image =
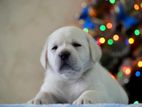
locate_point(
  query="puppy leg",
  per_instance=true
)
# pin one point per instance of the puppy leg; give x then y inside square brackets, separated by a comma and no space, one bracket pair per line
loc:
[90,97]
[43,98]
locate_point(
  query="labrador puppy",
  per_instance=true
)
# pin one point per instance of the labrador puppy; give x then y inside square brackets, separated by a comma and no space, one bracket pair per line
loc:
[73,73]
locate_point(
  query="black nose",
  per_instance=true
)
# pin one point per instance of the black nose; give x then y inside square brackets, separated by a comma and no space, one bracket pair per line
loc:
[64,55]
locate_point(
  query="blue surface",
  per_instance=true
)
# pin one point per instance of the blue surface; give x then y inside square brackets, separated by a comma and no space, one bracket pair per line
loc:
[68,105]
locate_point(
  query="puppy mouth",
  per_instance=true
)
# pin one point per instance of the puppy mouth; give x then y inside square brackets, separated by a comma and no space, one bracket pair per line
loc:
[68,67]
[65,66]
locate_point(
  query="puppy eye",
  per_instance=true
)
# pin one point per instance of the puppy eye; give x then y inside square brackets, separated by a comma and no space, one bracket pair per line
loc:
[55,47]
[76,44]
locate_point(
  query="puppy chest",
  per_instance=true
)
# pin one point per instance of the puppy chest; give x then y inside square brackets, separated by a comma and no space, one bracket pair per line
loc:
[72,92]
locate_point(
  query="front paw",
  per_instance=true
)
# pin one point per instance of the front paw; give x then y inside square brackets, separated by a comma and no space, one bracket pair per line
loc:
[85,98]
[37,101]
[42,98]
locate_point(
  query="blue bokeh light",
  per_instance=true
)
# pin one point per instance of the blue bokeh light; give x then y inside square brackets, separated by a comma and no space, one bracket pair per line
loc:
[137,73]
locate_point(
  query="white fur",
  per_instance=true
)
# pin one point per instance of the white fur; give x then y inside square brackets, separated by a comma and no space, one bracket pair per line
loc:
[86,82]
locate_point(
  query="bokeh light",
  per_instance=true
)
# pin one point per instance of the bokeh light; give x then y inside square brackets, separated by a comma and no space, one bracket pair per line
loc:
[139,64]
[120,39]
[102,28]
[110,41]
[98,41]
[131,40]
[141,4]
[112,1]
[126,42]
[137,73]
[137,32]
[136,7]
[102,40]
[126,70]
[120,75]
[109,25]
[86,30]
[136,102]
[92,12]
[115,37]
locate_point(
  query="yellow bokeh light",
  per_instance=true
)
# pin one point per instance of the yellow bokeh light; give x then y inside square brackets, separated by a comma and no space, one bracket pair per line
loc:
[131,40]
[102,40]
[115,37]
[128,71]
[140,64]
[136,7]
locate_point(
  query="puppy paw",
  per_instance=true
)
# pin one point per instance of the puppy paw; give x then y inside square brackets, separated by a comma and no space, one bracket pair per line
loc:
[83,101]
[42,98]
[85,98]
[92,97]
[38,101]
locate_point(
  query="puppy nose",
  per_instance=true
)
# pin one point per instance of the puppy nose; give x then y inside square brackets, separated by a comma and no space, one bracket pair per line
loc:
[64,55]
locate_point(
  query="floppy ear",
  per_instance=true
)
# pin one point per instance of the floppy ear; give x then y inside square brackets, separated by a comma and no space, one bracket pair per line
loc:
[43,57]
[95,50]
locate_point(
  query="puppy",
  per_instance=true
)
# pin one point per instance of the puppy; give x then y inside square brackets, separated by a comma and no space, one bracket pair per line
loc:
[73,73]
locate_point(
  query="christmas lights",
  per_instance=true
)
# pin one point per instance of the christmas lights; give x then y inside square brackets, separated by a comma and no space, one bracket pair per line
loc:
[112,1]
[137,73]
[118,30]
[102,40]
[102,28]
[110,41]
[136,7]
[131,40]
[115,37]
[137,32]
[139,64]
[109,25]
[85,30]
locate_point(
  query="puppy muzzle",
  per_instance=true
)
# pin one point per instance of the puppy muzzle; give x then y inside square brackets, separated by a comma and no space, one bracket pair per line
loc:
[64,56]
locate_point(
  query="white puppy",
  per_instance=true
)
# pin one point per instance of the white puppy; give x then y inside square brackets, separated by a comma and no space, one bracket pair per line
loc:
[73,73]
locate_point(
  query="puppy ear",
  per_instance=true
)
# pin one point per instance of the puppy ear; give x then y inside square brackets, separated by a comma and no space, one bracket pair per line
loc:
[95,50]
[43,57]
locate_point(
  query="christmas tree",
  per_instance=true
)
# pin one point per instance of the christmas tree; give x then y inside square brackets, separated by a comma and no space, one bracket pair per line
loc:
[117,27]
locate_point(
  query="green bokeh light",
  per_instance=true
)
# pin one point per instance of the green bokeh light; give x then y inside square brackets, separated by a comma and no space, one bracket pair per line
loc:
[85,30]
[112,1]
[110,41]
[137,32]
[136,102]
[102,28]
[120,75]
[141,4]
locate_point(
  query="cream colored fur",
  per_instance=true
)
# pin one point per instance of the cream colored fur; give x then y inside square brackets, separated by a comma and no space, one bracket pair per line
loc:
[85,81]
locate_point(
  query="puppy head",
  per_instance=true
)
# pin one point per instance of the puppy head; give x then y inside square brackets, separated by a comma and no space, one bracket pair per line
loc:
[69,52]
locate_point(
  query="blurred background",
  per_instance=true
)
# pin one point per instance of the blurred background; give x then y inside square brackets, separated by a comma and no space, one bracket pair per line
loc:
[24,27]
[117,27]
[25,24]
